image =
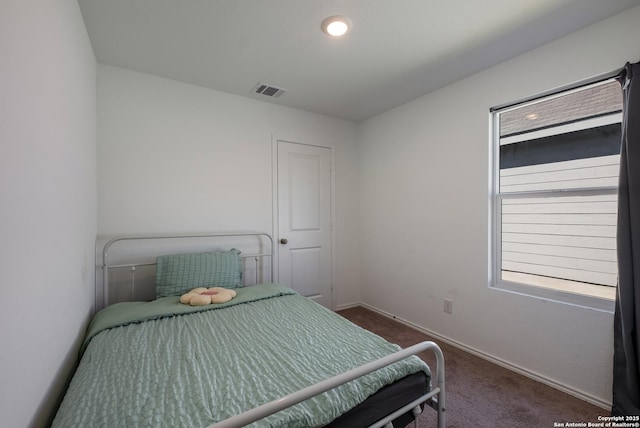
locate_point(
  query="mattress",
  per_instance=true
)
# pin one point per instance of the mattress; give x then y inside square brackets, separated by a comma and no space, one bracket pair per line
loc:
[162,363]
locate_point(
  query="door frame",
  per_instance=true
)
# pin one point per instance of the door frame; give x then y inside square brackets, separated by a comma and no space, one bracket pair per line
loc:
[275,223]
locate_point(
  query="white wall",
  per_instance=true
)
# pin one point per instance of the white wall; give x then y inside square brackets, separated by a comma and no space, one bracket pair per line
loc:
[174,157]
[425,205]
[47,202]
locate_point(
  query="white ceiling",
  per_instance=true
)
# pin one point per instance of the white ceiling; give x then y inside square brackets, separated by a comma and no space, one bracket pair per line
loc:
[397,51]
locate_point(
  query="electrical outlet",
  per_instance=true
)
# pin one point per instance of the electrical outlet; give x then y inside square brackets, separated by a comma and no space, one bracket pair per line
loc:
[448,306]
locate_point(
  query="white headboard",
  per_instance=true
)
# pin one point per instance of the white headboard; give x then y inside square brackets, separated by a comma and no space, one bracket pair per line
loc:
[126,264]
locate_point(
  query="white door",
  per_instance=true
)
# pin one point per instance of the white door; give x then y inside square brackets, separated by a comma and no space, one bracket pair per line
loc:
[304,219]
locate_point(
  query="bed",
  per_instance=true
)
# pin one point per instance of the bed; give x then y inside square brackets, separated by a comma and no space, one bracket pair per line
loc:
[267,358]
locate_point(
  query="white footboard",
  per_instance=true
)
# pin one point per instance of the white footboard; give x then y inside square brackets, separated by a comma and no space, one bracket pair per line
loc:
[436,395]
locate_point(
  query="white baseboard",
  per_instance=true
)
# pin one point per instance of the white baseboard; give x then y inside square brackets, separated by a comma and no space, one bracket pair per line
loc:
[531,375]
[348,306]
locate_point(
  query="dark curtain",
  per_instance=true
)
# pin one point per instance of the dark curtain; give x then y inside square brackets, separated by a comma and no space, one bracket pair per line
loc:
[626,366]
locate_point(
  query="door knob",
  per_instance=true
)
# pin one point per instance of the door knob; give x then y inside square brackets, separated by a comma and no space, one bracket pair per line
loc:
[284,241]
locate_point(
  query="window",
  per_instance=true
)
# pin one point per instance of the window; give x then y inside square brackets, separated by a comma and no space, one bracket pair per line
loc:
[555,178]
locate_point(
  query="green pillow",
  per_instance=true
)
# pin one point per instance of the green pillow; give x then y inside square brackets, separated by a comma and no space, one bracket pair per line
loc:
[179,273]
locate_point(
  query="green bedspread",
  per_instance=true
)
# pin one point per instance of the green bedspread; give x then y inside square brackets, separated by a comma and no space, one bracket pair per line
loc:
[163,364]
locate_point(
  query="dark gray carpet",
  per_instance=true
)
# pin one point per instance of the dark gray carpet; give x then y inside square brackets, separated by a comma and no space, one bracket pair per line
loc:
[479,393]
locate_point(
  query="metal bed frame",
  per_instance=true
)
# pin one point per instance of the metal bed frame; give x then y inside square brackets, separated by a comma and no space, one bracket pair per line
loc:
[106,245]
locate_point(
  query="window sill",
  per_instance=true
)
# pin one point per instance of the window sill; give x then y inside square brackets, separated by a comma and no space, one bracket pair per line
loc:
[589,296]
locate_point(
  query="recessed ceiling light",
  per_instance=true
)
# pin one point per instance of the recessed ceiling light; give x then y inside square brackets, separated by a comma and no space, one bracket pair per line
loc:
[336,26]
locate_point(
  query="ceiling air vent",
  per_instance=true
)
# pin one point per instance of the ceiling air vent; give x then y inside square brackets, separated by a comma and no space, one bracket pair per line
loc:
[268,90]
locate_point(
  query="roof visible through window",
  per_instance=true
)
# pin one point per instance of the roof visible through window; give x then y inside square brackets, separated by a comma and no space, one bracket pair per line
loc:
[600,99]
